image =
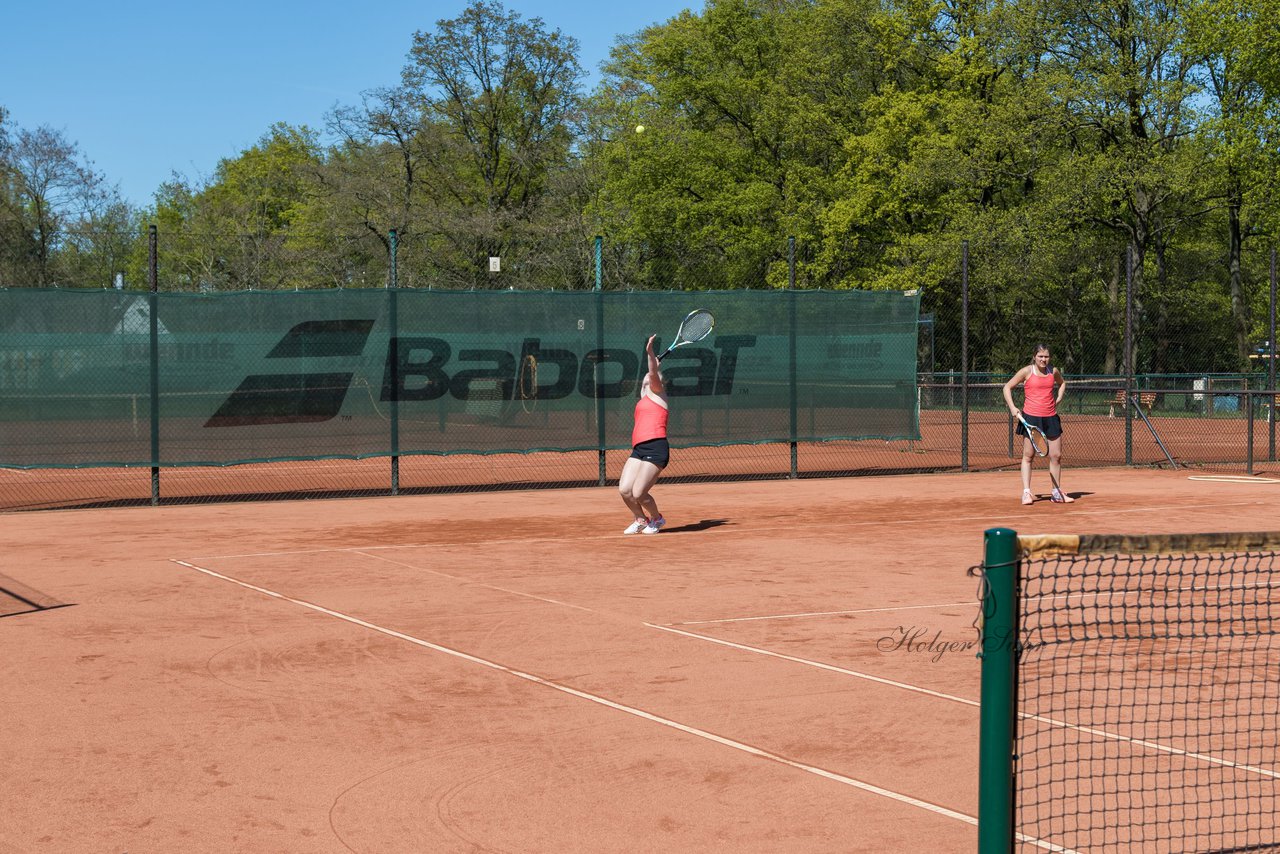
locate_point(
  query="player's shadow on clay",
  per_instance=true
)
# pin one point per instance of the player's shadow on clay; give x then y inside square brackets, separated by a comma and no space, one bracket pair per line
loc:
[1046,496]
[696,526]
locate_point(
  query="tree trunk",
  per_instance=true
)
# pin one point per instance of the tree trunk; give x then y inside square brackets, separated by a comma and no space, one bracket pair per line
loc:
[1239,304]
[1111,359]
[1138,250]
[1160,356]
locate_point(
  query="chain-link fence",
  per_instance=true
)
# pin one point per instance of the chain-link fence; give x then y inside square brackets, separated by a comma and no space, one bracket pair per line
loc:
[257,382]
[1169,357]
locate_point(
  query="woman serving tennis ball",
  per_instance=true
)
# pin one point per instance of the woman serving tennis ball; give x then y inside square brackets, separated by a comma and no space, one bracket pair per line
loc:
[1039,381]
[650,451]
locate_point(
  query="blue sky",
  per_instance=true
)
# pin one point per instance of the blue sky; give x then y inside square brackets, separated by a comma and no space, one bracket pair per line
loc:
[149,90]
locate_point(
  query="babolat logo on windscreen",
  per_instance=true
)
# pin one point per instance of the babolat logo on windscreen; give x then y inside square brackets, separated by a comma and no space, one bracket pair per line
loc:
[416,370]
[422,369]
[297,398]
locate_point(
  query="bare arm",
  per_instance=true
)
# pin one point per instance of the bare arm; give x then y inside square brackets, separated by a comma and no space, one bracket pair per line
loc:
[1014,381]
[1062,385]
[655,378]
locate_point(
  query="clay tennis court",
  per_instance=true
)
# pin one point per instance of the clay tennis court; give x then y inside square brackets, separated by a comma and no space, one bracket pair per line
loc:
[787,667]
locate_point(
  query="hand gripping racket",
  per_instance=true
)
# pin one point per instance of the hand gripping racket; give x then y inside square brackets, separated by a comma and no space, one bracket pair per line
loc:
[696,325]
[1037,437]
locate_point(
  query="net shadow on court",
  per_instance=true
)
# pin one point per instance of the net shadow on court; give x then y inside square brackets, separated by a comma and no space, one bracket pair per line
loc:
[17,598]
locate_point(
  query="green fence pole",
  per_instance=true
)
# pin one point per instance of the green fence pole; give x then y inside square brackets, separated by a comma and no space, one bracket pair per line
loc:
[153,309]
[791,302]
[600,425]
[1129,356]
[964,358]
[998,652]
[1271,363]
[1248,417]
[393,320]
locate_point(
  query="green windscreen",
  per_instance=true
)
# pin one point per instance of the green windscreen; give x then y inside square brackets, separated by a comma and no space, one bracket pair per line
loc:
[255,376]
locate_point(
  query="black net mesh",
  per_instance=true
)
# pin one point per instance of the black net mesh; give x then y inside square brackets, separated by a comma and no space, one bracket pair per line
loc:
[1148,703]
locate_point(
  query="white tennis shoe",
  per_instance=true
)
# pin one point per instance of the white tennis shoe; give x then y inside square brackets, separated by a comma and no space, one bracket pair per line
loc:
[637,526]
[654,526]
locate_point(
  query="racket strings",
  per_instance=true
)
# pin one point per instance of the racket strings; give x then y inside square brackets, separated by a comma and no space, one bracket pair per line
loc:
[696,326]
[1039,442]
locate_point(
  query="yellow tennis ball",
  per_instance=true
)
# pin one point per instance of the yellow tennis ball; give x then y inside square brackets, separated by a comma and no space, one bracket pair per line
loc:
[639,128]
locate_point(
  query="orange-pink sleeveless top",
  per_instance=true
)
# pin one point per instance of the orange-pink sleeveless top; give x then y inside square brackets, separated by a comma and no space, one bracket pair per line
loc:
[1039,395]
[651,421]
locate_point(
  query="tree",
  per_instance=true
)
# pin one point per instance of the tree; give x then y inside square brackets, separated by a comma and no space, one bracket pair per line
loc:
[47,185]
[1233,40]
[16,247]
[239,230]
[1123,74]
[746,107]
[381,176]
[498,97]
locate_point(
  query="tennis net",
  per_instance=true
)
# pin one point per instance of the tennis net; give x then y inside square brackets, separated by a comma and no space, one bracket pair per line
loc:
[1131,693]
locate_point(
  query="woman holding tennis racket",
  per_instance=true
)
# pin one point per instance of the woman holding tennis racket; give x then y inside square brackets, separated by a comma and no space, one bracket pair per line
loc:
[650,451]
[1042,387]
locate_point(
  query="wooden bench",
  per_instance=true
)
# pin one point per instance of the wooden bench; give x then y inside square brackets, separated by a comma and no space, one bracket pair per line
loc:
[1146,398]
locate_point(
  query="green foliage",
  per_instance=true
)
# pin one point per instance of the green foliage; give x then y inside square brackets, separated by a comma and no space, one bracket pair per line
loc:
[51,199]
[1075,147]
[241,229]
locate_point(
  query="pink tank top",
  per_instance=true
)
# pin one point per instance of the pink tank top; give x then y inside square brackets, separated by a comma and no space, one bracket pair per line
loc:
[651,421]
[1039,395]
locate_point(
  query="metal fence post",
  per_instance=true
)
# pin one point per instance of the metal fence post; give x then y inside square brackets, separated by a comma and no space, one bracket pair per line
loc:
[153,310]
[1128,355]
[393,286]
[1271,364]
[791,379]
[600,425]
[1248,414]
[964,356]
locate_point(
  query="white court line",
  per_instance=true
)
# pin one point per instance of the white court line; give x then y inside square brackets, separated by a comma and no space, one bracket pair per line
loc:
[471,583]
[1152,745]
[1232,478]
[593,698]
[974,603]
[434,545]
[818,664]
[825,613]
[718,531]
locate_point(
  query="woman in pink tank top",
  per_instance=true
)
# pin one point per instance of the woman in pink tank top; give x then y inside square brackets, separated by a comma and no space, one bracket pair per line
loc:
[1043,387]
[650,451]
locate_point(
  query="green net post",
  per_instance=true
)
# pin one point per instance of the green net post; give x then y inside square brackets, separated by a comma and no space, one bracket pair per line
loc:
[791,302]
[153,309]
[600,425]
[998,652]
[393,285]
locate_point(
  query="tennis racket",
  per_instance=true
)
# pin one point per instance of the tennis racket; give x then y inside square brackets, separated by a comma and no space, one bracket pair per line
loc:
[696,325]
[1037,437]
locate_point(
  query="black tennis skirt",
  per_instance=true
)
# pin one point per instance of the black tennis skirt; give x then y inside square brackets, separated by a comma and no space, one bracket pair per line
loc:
[656,451]
[1050,425]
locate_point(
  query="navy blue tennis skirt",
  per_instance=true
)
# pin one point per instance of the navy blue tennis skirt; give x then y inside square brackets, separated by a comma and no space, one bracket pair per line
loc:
[1050,425]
